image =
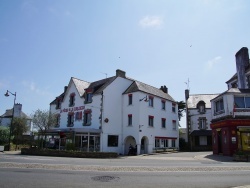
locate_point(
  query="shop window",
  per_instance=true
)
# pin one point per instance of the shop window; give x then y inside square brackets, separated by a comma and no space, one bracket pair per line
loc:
[151,121]
[112,141]
[173,143]
[72,99]
[130,99]
[87,117]
[70,119]
[130,120]
[163,122]
[165,143]
[157,143]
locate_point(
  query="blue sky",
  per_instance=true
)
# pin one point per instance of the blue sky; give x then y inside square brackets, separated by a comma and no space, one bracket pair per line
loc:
[44,43]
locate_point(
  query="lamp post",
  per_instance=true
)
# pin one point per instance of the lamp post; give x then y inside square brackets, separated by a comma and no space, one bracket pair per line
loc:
[6,95]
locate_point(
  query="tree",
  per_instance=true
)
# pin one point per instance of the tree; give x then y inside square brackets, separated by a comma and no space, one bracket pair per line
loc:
[18,127]
[43,120]
[4,135]
[181,109]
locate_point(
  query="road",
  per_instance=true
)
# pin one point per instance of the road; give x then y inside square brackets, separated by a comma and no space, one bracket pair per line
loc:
[163,170]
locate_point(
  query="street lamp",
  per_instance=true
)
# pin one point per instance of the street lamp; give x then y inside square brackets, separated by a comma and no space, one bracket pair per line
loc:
[6,95]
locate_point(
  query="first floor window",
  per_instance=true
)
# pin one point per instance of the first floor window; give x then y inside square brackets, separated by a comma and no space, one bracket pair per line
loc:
[219,106]
[87,118]
[202,123]
[130,119]
[130,99]
[112,140]
[58,120]
[173,107]
[151,101]
[163,105]
[163,122]
[174,124]
[242,102]
[70,119]
[151,121]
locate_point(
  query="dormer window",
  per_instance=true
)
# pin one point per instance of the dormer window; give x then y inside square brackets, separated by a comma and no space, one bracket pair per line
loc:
[201,107]
[72,99]
[88,95]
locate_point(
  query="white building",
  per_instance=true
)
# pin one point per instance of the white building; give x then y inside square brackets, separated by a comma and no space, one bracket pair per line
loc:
[199,116]
[110,114]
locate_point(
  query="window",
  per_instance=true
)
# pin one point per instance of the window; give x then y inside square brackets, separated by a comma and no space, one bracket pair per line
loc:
[248,81]
[163,122]
[88,95]
[112,140]
[71,119]
[173,143]
[173,107]
[130,99]
[87,117]
[201,107]
[174,124]
[202,123]
[130,120]
[72,99]
[219,106]
[242,102]
[165,143]
[163,105]
[151,101]
[58,120]
[58,103]
[157,143]
[151,121]
[78,116]
[234,85]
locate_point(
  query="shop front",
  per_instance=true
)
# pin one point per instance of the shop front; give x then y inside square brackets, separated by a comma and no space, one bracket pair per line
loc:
[228,136]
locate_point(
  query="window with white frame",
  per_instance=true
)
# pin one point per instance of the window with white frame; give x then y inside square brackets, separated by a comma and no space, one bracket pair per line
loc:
[130,99]
[72,99]
[174,124]
[202,123]
[157,142]
[151,101]
[150,121]
[173,143]
[241,102]
[163,122]
[219,106]
[130,120]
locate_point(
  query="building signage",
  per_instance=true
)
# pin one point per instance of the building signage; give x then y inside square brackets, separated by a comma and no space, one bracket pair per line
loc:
[72,109]
[230,123]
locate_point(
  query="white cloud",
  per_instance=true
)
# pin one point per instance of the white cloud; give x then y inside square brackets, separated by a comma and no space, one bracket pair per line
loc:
[151,22]
[211,63]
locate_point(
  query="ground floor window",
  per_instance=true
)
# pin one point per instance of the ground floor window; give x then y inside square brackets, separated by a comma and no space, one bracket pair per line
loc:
[87,142]
[173,143]
[112,140]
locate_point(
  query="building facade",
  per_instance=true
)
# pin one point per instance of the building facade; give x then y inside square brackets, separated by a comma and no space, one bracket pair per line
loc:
[198,114]
[5,119]
[111,114]
[231,111]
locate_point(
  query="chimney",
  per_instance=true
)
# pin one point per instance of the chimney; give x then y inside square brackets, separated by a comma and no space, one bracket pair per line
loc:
[120,73]
[17,110]
[242,63]
[186,94]
[164,89]
[65,88]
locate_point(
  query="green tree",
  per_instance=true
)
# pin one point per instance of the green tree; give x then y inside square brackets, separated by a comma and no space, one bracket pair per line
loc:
[43,120]
[18,127]
[181,109]
[4,135]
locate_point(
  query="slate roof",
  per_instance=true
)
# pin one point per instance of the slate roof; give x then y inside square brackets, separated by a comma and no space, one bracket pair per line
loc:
[234,91]
[194,99]
[100,85]
[9,113]
[139,86]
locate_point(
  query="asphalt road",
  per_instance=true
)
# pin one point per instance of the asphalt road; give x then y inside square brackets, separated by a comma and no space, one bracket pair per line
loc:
[200,169]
